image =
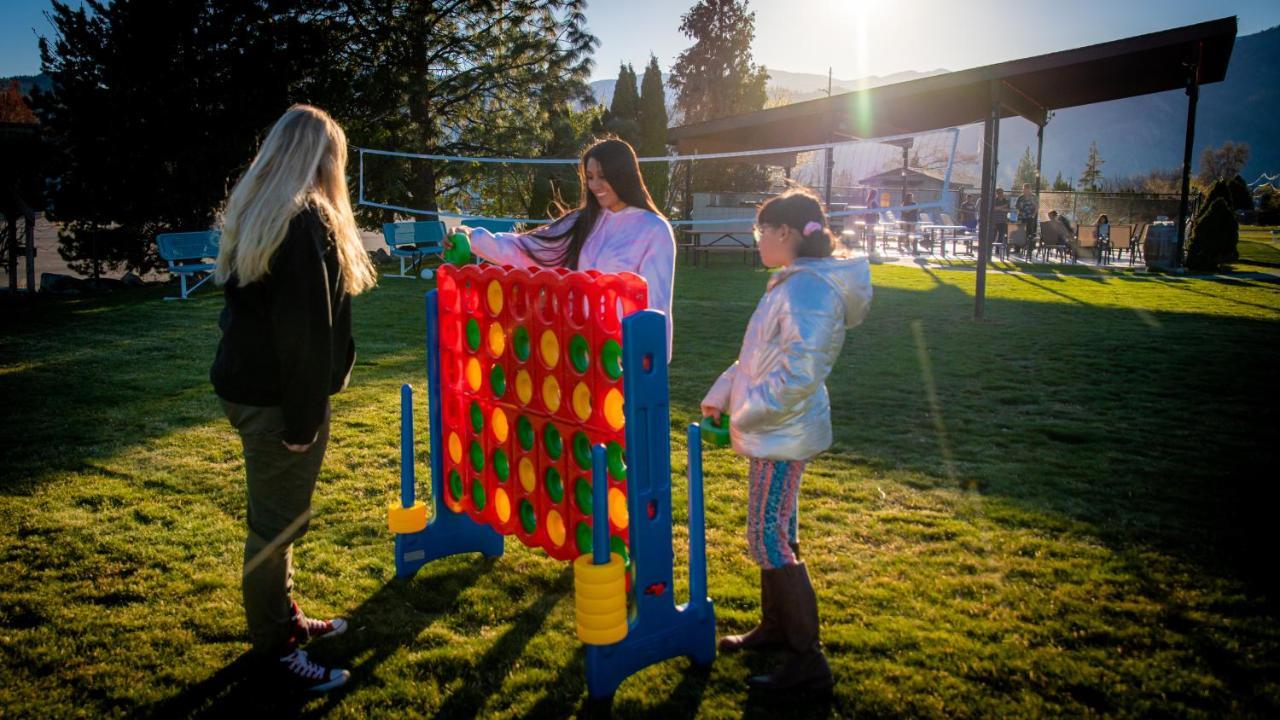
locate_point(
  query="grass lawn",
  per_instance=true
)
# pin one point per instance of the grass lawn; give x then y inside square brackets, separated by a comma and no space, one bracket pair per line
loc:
[1062,510]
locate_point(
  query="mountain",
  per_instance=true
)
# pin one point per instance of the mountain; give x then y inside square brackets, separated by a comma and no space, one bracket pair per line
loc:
[1134,135]
[1139,134]
[26,82]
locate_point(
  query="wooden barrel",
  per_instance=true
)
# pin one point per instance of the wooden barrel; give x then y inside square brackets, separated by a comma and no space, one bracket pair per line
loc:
[1160,249]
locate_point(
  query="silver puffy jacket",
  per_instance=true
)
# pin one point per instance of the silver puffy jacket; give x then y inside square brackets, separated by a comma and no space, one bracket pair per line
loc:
[776,393]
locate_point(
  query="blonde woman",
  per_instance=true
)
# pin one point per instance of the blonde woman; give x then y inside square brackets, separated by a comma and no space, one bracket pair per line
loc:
[290,260]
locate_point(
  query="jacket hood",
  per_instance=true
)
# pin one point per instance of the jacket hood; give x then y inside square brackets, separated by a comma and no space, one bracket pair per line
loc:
[849,277]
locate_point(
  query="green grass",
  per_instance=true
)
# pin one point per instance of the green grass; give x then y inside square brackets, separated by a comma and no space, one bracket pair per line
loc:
[1062,510]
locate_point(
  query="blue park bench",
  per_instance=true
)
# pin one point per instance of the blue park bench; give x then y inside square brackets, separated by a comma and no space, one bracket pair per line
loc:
[189,254]
[413,241]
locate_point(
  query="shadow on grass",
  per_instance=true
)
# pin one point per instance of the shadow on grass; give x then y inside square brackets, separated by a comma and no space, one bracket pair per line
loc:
[250,686]
[95,376]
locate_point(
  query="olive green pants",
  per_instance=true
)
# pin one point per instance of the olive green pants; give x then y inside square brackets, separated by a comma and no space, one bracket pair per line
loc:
[280,483]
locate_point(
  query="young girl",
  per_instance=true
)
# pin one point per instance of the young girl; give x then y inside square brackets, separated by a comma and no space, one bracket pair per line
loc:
[290,258]
[780,417]
[1103,235]
[616,228]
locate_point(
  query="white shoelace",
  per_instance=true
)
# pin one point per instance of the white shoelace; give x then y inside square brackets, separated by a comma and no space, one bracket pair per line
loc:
[301,665]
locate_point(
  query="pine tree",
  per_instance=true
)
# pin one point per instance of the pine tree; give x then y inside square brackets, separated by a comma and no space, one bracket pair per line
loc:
[623,119]
[716,77]
[1026,172]
[1092,169]
[1060,184]
[653,132]
[480,78]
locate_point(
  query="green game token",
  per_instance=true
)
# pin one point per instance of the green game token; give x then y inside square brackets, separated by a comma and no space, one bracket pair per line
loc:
[552,441]
[617,461]
[582,450]
[477,494]
[455,485]
[501,466]
[611,359]
[498,381]
[520,343]
[616,545]
[582,494]
[555,486]
[473,334]
[527,517]
[583,531]
[477,418]
[579,353]
[477,457]
[524,433]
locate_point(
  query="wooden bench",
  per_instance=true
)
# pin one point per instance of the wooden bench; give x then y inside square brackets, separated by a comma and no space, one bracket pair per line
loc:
[725,242]
[189,253]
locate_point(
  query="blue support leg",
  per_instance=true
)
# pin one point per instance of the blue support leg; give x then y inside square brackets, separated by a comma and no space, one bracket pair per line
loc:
[449,532]
[660,630]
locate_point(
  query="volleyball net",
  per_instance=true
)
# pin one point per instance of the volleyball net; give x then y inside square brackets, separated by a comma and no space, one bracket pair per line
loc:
[715,190]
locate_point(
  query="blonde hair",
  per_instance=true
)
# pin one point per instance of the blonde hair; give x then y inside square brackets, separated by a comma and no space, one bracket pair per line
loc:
[303,161]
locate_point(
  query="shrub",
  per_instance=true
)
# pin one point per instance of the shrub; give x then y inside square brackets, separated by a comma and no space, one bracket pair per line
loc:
[1214,237]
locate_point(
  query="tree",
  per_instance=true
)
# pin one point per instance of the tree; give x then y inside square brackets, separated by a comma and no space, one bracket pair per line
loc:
[623,118]
[1026,172]
[467,77]
[653,132]
[1222,162]
[1060,184]
[155,108]
[1092,169]
[1241,198]
[716,77]
[13,109]
[1213,237]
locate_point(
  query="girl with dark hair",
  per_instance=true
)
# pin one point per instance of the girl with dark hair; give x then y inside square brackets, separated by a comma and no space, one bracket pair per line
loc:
[616,228]
[780,417]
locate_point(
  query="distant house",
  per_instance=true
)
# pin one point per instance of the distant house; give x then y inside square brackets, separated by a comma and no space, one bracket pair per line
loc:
[926,185]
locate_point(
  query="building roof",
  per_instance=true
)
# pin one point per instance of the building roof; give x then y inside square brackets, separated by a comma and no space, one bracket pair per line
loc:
[1030,87]
[894,175]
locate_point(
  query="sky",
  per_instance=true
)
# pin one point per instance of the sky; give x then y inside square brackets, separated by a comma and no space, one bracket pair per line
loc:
[855,38]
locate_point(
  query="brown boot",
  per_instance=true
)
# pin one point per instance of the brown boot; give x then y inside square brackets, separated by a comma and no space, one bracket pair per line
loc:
[805,667]
[768,634]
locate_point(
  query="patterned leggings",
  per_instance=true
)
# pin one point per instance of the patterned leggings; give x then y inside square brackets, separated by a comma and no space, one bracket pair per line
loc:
[772,515]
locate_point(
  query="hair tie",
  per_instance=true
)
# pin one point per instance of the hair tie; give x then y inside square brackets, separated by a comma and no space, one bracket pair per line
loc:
[812,227]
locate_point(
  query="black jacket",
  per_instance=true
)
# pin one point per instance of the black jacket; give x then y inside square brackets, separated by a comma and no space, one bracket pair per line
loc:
[286,338]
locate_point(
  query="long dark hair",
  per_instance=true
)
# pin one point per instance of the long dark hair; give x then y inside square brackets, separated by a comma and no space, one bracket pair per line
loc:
[620,168]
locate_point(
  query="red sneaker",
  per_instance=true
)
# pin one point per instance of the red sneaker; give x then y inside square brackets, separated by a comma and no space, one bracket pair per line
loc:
[305,629]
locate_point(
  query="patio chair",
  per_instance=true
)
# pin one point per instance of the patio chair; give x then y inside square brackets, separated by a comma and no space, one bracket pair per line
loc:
[1121,241]
[413,241]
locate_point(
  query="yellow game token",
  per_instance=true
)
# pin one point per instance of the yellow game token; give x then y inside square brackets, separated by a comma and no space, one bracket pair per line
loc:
[495,297]
[618,508]
[455,448]
[499,425]
[501,505]
[582,401]
[527,478]
[473,374]
[550,347]
[555,528]
[497,340]
[551,393]
[613,409]
[524,386]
